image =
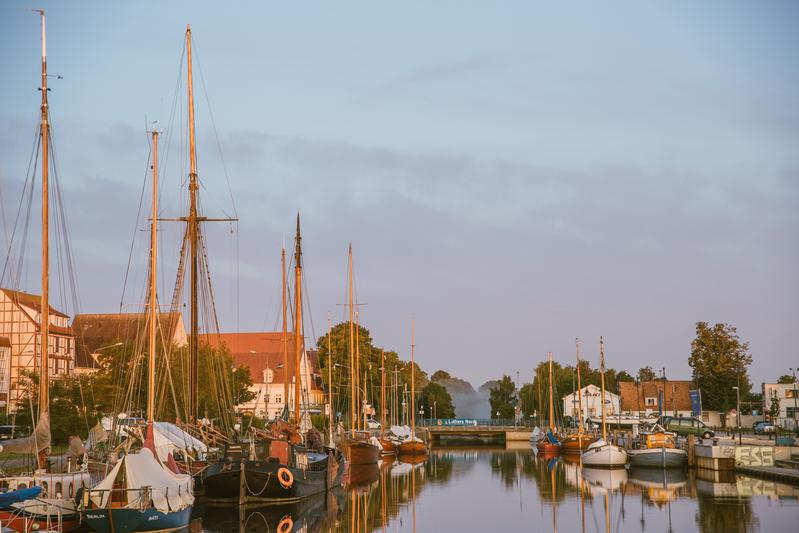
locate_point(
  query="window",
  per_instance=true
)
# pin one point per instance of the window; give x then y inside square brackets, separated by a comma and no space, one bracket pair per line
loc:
[651,401]
[790,393]
[269,375]
[278,398]
[791,412]
[266,399]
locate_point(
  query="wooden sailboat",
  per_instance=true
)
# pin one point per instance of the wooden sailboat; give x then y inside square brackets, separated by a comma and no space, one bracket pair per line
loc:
[413,445]
[140,493]
[388,442]
[549,444]
[276,467]
[577,442]
[358,446]
[602,453]
[34,503]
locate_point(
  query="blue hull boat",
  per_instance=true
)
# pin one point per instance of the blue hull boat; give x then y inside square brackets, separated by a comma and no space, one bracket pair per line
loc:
[123,520]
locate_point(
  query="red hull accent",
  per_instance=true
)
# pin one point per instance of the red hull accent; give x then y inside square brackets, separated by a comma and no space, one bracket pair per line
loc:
[24,524]
[546,447]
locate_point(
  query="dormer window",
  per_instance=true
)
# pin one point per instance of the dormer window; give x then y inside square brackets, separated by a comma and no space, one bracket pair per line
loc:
[269,375]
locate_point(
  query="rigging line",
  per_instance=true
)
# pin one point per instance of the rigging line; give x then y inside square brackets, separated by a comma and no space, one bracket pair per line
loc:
[213,124]
[135,231]
[34,156]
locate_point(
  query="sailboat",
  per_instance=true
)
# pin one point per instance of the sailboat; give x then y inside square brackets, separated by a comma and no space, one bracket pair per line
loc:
[359,449]
[276,467]
[412,445]
[140,493]
[549,444]
[603,453]
[387,441]
[578,442]
[658,448]
[45,499]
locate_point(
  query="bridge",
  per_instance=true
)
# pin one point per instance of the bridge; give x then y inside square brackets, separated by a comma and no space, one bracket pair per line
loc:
[474,429]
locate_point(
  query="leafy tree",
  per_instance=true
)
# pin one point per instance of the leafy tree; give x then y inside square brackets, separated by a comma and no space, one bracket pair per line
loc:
[503,399]
[527,399]
[719,360]
[646,374]
[436,394]
[774,408]
[786,379]
[440,375]
[369,367]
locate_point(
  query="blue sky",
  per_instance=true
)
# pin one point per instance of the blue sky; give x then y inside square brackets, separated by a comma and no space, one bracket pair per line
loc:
[514,175]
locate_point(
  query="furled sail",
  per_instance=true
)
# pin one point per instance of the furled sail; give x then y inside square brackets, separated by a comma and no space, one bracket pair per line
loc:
[39,440]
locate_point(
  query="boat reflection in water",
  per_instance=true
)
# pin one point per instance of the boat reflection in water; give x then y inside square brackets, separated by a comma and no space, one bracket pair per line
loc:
[659,485]
[317,513]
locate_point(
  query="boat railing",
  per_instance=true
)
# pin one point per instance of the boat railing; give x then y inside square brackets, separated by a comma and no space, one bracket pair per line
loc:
[143,499]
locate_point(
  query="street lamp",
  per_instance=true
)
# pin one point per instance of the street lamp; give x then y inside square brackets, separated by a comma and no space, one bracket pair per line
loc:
[738,412]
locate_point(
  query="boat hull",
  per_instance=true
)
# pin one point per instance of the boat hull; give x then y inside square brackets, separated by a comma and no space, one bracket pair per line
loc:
[29,522]
[412,448]
[577,443]
[389,447]
[659,458]
[122,520]
[604,455]
[545,447]
[261,485]
[361,452]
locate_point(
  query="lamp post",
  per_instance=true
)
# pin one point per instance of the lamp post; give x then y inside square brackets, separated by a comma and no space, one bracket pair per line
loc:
[434,408]
[738,412]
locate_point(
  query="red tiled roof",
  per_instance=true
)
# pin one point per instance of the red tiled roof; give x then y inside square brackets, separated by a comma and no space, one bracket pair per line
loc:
[30,300]
[93,331]
[676,395]
[261,350]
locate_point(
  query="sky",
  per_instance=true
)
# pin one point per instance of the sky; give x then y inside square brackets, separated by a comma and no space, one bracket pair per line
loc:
[511,175]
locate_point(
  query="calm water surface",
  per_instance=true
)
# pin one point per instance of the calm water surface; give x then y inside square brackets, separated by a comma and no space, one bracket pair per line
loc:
[467,489]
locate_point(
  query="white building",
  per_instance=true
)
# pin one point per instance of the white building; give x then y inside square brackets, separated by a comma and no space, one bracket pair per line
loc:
[592,401]
[20,317]
[787,394]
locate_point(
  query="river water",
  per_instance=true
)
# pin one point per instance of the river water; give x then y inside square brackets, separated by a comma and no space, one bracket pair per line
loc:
[492,490]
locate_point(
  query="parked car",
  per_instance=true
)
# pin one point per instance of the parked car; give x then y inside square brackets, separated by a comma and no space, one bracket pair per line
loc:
[764,427]
[7,432]
[686,425]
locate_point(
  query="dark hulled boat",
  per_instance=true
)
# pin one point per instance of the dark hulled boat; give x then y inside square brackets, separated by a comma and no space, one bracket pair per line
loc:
[271,471]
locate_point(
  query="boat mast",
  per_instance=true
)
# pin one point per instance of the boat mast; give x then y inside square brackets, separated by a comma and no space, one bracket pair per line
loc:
[44,322]
[297,321]
[579,390]
[193,227]
[413,379]
[330,379]
[285,333]
[153,303]
[602,372]
[361,401]
[353,399]
[382,390]
[551,410]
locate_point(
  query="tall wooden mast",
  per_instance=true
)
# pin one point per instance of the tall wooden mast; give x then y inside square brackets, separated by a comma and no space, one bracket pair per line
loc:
[602,372]
[551,409]
[361,399]
[297,322]
[382,390]
[285,332]
[330,363]
[353,396]
[579,393]
[193,228]
[44,322]
[153,319]
[413,379]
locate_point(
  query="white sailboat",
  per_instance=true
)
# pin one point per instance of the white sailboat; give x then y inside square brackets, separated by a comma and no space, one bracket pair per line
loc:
[602,453]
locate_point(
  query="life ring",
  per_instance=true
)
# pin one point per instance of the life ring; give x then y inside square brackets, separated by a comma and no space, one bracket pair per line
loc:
[286,524]
[285,477]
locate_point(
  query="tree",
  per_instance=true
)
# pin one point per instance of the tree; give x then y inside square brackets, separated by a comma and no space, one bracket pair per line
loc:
[774,408]
[440,375]
[719,360]
[502,399]
[786,379]
[646,374]
[436,395]
[527,399]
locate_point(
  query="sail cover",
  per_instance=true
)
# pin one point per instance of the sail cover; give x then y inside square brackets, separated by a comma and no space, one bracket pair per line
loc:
[169,492]
[169,437]
[39,440]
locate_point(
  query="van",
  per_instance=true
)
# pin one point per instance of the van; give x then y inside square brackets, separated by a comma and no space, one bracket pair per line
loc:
[685,425]
[7,432]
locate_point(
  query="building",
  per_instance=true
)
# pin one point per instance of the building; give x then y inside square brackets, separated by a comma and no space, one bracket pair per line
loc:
[263,354]
[591,396]
[787,395]
[647,398]
[97,332]
[20,320]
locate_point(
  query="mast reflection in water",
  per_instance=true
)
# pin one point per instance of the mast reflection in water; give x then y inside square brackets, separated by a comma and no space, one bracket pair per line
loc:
[481,489]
